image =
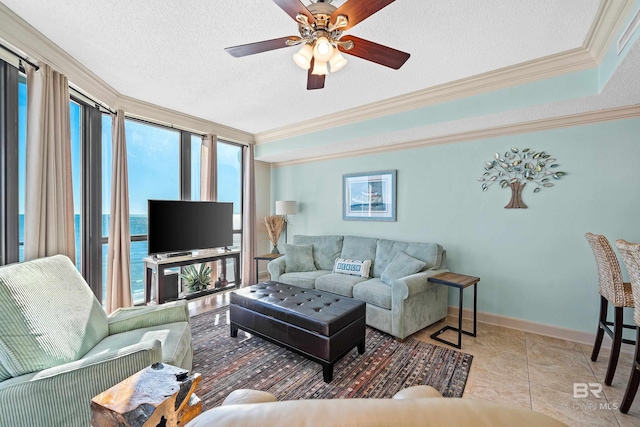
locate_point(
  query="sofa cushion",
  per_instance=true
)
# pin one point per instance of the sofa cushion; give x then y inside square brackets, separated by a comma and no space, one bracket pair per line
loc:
[325,249]
[49,316]
[341,284]
[299,258]
[352,267]
[401,266]
[355,247]
[303,279]
[431,253]
[373,291]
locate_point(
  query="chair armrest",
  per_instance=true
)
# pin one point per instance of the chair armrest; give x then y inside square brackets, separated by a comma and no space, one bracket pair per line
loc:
[128,319]
[62,395]
[277,267]
[412,285]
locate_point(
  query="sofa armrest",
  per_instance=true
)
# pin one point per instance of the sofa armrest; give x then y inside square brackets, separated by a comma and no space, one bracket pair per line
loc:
[414,284]
[62,395]
[131,318]
[242,396]
[277,267]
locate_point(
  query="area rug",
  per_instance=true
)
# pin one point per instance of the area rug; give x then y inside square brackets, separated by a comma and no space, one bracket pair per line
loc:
[386,367]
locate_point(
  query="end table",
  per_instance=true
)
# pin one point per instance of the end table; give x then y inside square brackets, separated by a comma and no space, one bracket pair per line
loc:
[461,282]
[265,257]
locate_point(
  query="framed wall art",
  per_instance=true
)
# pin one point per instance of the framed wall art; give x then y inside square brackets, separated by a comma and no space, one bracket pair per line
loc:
[369,196]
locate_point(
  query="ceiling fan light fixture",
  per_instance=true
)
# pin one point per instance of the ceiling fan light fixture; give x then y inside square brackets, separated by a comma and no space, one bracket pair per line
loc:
[337,61]
[302,58]
[320,68]
[322,50]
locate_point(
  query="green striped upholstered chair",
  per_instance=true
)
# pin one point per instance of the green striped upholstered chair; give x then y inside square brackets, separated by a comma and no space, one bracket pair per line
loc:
[58,348]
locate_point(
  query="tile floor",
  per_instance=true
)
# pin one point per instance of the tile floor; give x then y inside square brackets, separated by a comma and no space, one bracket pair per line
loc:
[528,370]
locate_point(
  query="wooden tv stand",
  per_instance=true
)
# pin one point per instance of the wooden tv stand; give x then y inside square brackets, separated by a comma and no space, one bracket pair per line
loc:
[158,265]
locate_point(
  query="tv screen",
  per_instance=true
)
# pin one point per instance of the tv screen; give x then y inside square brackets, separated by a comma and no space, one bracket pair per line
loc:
[179,225]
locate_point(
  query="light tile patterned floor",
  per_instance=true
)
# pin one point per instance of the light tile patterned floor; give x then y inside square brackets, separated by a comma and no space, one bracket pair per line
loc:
[528,370]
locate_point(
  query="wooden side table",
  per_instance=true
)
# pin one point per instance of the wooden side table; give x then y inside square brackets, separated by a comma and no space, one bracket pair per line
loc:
[264,257]
[157,395]
[461,282]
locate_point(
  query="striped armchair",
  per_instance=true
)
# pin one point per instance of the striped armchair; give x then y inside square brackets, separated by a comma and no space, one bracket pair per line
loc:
[58,348]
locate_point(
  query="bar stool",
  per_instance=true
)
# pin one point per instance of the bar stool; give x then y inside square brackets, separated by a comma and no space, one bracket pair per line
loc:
[612,289]
[630,253]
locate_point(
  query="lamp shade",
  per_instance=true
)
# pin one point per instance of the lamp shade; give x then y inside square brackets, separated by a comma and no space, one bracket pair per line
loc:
[337,61]
[320,68]
[285,207]
[322,50]
[302,58]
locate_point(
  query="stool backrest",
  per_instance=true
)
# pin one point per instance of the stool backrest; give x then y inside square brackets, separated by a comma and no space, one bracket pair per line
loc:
[610,280]
[630,253]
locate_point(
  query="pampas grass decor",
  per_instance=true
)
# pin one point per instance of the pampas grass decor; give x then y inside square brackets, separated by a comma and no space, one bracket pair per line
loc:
[274,225]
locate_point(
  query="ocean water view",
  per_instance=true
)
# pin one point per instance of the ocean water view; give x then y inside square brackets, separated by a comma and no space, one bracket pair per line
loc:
[138,225]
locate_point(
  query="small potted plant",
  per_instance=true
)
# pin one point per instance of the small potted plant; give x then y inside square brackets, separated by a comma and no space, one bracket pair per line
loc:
[197,279]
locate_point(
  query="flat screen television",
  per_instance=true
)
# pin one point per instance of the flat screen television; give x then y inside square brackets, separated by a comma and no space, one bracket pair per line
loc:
[179,225]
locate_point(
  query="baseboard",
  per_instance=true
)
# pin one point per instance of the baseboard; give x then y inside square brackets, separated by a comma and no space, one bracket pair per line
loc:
[537,328]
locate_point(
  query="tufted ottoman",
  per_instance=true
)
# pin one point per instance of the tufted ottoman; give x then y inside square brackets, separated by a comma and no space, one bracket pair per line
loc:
[319,325]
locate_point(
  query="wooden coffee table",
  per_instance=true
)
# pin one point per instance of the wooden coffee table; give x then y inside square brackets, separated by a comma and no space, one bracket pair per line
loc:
[158,395]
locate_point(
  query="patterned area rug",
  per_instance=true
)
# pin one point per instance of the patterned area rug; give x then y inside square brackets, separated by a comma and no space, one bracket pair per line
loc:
[386,367]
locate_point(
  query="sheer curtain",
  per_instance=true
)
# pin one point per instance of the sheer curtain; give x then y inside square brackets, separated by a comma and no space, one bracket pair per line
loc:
[118,256]
[249,218]
[49,220]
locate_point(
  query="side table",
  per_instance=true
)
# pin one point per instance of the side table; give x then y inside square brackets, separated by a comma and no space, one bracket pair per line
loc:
[264,257]
[159,395]
[461,282]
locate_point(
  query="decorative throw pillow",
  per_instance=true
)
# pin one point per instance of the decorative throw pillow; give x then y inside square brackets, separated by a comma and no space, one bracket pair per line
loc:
[299,258]
[401,265]
[352,267]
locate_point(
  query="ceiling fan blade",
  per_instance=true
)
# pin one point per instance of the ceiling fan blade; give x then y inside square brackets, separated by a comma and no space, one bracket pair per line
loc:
[258,47]
[375,52]
[358,11]
[314,81]
[293,8]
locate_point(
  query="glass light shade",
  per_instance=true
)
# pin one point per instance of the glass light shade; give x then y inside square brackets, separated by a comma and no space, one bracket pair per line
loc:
[322,51]
[320,68]
[302,58]
[337,61]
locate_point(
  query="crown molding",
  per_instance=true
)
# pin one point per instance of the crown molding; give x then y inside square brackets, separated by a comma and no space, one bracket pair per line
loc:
[34,45]
[609,18]
[607,24]
[144,110]
[619,113]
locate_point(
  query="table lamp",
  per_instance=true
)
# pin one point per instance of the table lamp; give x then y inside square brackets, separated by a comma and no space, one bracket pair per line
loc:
[285,207]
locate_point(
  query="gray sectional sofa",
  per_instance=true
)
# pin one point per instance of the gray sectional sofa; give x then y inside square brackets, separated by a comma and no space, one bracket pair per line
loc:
[396,304]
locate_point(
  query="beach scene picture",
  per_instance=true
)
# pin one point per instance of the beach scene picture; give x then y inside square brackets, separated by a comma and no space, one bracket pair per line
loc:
[369,196]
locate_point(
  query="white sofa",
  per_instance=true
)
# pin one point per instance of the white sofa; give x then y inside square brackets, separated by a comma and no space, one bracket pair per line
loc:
[400,306]
[418,406]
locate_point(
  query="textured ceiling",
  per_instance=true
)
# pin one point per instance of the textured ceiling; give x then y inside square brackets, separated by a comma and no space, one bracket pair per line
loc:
[172,53]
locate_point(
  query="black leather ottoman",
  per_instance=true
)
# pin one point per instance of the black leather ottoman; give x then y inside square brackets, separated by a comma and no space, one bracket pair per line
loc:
[318,325]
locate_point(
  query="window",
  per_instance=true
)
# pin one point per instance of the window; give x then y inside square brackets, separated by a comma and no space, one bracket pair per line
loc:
[153,160]
[230,190]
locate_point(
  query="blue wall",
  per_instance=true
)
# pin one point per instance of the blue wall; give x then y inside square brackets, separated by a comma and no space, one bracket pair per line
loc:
[534,263]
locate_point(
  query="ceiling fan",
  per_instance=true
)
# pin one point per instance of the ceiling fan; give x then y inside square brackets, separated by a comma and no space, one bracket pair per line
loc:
[321,25]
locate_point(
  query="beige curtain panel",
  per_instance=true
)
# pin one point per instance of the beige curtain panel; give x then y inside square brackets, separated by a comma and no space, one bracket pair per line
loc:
[249,218]
[118,255]
[209,181]
[48,221]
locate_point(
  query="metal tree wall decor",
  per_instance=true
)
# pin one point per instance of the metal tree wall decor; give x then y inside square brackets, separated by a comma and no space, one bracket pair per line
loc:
[516,169]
